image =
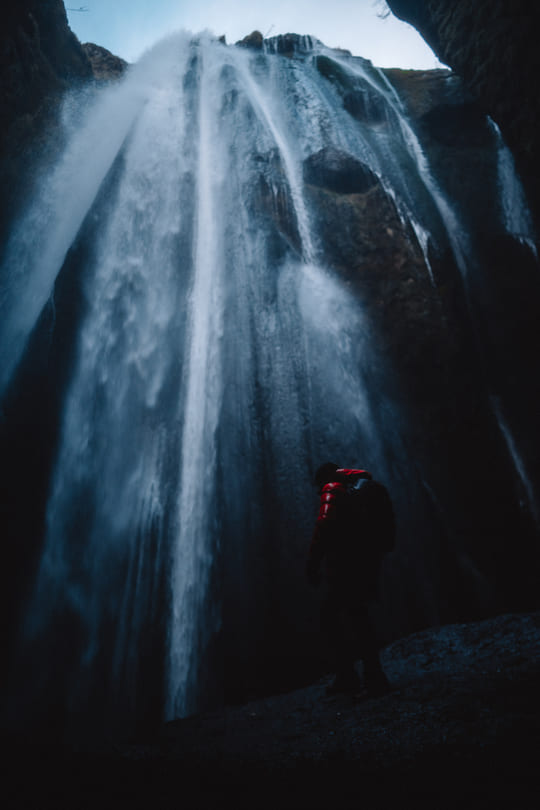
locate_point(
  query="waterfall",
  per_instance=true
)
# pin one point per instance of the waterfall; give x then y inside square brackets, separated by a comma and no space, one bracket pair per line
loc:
[194,551]
[218,361]
[517,218]
[55,218]
[453,229]
[516,457]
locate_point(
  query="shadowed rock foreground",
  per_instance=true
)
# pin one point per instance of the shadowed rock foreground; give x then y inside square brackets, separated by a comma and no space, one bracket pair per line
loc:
[461,727]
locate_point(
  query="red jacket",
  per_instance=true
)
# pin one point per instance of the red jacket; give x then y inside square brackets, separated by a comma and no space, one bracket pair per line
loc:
[328,520]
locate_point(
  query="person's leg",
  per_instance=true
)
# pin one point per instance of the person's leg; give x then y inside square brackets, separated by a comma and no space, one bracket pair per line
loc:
[368,648]
[337,630]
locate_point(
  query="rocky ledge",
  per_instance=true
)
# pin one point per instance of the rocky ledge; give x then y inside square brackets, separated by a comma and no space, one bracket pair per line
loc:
[461,727]
[105,65]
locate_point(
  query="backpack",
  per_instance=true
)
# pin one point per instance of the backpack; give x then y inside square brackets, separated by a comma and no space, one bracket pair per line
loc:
[368,511]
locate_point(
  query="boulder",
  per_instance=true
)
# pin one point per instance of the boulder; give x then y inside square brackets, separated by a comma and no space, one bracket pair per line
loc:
[253,41]
[337,171]
[105,65]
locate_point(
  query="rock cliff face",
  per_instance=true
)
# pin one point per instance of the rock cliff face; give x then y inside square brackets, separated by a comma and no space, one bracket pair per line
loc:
[40,58]
[492,45]
[105,65]
[431,330]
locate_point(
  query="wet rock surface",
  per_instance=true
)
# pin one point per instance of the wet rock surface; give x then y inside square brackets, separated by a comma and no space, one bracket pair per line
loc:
[493,47]
[455,136]
[339,172]
[461,727]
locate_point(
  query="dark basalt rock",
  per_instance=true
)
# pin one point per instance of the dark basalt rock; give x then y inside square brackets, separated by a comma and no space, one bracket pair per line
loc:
[457,127]
[455,136]
[40,58]
[339,172]
[105,65]
[492,45]
[253,41]
[360,101]
[364,106]
[39,55]
[333,71]
[289,44]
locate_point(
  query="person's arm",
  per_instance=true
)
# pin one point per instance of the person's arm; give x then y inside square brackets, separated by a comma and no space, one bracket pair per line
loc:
[323,528]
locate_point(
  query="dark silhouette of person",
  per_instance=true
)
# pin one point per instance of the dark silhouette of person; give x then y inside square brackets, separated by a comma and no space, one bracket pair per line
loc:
[354,530]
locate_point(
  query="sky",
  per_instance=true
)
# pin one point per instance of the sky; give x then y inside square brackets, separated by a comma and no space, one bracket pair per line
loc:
[129,27]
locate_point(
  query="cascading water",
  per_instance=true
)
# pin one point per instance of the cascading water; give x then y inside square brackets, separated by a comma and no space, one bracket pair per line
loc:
[517,218]
[218,360]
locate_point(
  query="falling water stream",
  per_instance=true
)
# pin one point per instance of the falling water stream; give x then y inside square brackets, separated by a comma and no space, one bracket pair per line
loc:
[214,346]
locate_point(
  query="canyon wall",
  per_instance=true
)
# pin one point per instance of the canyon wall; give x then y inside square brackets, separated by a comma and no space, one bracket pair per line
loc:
[492,45]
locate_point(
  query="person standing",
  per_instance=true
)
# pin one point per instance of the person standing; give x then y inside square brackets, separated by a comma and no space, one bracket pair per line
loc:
[355,528]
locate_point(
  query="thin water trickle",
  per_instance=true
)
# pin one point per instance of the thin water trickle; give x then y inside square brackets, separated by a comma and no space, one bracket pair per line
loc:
[519,464]
[517,218]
